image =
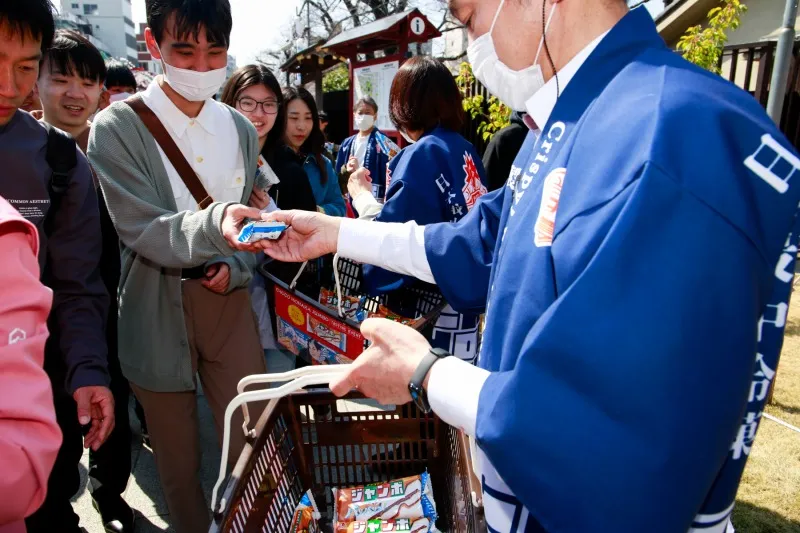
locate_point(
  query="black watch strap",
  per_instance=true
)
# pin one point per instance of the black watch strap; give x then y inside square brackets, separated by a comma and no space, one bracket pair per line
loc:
[415,387]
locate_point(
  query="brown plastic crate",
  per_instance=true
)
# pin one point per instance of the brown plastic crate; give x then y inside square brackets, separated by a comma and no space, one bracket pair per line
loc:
[297,449]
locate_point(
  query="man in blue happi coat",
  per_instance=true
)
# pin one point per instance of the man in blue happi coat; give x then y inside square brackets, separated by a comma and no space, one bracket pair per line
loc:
[369,148]
[635,273]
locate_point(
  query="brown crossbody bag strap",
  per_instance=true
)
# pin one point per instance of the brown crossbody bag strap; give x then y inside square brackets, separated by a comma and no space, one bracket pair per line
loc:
[171,150]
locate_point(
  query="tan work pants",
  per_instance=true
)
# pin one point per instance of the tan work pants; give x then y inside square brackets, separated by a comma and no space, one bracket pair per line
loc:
[225,347]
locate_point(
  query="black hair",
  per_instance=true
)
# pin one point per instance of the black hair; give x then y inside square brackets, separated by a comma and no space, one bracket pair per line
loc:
[424,95]
[191,16]
[29,18]
[368,100]
[248,76]
[315,144]
[118,74]
[72,54]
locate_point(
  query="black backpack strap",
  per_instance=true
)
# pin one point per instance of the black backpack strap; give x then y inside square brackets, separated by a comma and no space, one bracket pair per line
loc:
[62,157]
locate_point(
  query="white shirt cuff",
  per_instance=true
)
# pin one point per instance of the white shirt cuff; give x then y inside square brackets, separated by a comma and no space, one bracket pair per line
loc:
[363,200]
[454,389]
[396,247]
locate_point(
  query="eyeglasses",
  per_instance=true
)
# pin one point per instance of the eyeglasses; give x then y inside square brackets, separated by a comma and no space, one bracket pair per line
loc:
[247,104]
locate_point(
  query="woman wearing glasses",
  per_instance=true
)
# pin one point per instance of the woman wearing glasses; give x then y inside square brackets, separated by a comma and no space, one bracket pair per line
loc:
[255,92]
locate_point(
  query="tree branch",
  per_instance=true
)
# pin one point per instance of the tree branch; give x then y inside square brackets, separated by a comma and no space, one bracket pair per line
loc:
[326,18]
[353,10]
[454,28]
[453,58]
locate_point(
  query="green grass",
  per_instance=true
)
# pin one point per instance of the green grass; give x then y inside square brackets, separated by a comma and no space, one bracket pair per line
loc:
[769,496]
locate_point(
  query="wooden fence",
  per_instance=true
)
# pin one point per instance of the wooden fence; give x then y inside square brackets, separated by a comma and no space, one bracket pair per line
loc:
[750,65]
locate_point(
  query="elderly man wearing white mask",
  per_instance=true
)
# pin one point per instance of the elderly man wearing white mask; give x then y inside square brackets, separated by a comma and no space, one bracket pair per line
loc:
[632,272]
[369,148]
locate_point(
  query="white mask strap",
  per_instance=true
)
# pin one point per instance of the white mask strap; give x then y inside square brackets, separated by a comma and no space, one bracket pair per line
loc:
[546,27]
[496,15]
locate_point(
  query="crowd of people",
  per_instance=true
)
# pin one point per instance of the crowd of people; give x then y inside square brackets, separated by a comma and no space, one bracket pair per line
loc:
[124,280]
[148,295]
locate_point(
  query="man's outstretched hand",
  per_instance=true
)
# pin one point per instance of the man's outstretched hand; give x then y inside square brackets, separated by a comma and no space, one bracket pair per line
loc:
[95,407]
[309,235]
[385,369]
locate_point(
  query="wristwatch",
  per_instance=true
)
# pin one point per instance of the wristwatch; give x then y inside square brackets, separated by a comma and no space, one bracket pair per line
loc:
[415,387]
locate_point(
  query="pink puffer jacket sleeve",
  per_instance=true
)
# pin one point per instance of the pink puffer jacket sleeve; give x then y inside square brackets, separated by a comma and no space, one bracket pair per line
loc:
[29,434]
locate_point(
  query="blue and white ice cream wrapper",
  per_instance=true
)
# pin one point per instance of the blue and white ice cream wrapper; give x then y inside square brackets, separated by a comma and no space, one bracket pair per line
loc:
[259,230]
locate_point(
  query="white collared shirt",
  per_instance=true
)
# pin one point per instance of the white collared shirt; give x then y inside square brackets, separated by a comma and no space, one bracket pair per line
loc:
[455,385]
[541,104]
[209,142]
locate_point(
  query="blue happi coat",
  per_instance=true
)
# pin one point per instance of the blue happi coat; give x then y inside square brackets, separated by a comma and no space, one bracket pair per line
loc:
[437,179]
[380,150]
[638,265]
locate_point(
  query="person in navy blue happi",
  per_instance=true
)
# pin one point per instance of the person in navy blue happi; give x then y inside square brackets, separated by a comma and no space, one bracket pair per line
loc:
[369,148]
[438,178]
[635,272]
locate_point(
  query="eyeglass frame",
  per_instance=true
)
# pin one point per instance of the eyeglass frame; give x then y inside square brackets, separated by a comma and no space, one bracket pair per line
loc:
[257,103]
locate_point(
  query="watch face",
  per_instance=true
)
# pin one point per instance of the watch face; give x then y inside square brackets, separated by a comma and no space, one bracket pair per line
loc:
[419,397]
[413,388]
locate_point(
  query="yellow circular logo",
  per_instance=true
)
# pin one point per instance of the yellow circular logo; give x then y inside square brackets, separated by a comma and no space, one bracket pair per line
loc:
[297,316]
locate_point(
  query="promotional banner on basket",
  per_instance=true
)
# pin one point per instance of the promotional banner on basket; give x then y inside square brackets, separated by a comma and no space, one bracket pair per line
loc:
[308,332]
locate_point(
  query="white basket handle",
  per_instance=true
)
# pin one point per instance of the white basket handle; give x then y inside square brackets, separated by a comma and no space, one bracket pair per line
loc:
[276,378]
[299,379]
[338,285]
[297,276]
[335,277]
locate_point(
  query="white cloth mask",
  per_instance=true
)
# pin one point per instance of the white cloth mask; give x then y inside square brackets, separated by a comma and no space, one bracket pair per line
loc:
[119,97]
[512,87]
[364,122]
[407,137]
[192,85]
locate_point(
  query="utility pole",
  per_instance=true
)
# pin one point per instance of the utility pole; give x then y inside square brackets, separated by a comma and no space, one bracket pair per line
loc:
[783,58]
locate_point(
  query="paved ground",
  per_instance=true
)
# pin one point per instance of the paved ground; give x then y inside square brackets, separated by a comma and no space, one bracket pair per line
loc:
[144,491]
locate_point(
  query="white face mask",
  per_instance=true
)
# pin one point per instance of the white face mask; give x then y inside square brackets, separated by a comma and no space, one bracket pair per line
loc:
[119,97]
[407,137]
[192,85]
[512,87]
[364,122]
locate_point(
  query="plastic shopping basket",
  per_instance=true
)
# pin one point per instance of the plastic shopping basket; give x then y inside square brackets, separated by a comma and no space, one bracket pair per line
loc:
[291,451]
[302,321]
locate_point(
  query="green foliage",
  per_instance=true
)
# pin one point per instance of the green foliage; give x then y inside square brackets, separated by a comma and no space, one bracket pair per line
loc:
[337,79]
[703,46]
[491,113]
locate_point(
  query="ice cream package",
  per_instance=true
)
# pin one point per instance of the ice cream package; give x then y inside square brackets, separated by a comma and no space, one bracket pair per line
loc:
[384,312]
[402,525]
[409,498]
[353,308]
[306,516]
[351,305]
[256,231]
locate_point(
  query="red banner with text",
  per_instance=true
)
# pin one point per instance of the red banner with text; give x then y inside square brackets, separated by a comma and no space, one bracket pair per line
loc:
[304,329]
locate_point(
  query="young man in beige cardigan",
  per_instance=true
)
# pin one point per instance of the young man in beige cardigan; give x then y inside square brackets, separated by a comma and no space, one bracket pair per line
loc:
[184,308]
